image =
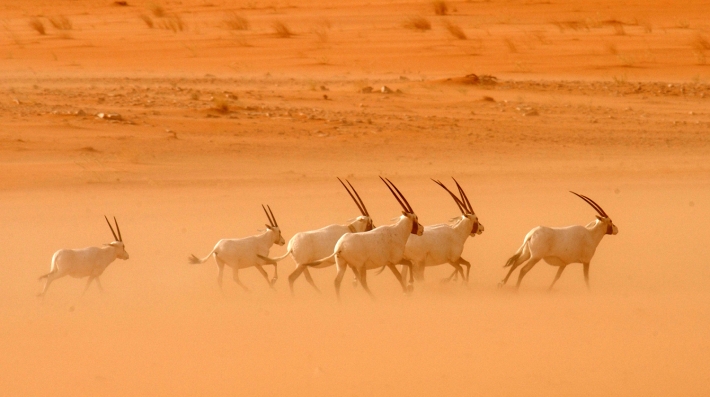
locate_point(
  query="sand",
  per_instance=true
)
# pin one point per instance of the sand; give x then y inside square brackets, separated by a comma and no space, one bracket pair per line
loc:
[604,98]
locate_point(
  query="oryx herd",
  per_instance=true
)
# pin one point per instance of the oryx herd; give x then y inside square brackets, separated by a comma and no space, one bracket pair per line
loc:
[361,246]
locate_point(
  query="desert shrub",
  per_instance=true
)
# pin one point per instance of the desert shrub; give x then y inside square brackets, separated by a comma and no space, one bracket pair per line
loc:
[235,21]
[440,7]
[61,22]
[281,30]
[38,26]
[417,23]
[148,20]
[455,30]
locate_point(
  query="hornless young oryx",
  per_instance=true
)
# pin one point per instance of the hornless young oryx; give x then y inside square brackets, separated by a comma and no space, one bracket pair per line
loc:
[240,253]
[383,246]
[86,262]
[309,246]
[444,243]
[560,246]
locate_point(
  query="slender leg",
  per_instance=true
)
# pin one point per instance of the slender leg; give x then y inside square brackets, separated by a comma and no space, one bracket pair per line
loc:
[457,269]
[235,276]
[466,263]
[402,279]
[276,273]
[98,284]
[526,269]
[518,262]
[220,271]
[341,265]
[266,275]
[50,277]
[356,277]
[557,277]
[586,273]
[294,275]
[307,274]
[363,280]
[88,283]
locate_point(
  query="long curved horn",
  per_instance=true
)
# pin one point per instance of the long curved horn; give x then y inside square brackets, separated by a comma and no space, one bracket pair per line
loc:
[118,230]
[453,196]
[409,207]
[591,202]
[112,232]
[272,216]
[395,195]
[358,197]
[464,196]
[271,222]
[353,197]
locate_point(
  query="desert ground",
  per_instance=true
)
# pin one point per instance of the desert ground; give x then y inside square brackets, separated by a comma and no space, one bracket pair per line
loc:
[181,118]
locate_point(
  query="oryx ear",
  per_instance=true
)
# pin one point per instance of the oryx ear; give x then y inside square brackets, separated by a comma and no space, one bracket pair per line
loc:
[267,227]
[404,213]
[598,217]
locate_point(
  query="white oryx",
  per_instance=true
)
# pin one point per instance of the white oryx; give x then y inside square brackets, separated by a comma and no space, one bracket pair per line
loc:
[241,253]
[560,246]
[306,247]
[86,262]
[443,243]
[383,246]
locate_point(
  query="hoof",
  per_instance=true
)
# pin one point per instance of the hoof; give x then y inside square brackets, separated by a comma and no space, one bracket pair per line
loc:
[501,284]
[273,280]
[409,289]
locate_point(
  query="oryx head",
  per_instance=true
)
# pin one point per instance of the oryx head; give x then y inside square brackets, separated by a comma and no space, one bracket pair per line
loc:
[118,240]
[465,207]
[408,212]
[362,223]
[273,226]
[602,217]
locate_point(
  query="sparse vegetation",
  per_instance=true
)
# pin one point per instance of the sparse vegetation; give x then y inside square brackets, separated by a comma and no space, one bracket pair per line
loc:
[148,21]
[172,22]
[61,22]
[611,48]
[157,10]
[455,30]
[511,46]
[38,26]
[321,30]
[417,23]
[281,30]
[682,24]
[234,21]
[700,44]
[220,105]
[440,7]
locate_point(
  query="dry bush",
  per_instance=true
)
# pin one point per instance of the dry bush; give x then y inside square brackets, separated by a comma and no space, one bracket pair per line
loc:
[440,7]
[61,22]
[618,28]
[235,21]
[647,27]
[172,22]
[701,43]
[321,30]
[281,30]
[157,10]
[682,24]
[573,25]
[611,48]
[417,23]
[511,46]
[38,26]
[148,20]
[455,30]
[220,105]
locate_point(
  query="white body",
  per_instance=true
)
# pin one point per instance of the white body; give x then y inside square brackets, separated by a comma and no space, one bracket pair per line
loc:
[88,262]
[306,247]
[440,244]
[242,253]
[383,246]
[561,246]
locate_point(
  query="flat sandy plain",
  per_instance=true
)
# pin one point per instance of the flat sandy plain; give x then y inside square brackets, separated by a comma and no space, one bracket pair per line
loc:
[607,98]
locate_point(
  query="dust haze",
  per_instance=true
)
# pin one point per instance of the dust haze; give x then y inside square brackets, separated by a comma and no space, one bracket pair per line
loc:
[181,118]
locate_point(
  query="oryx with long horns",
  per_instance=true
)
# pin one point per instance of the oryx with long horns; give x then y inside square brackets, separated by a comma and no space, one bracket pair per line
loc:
[86,262]
[560,246]
[444,243]
[306,247]
[244,252]
[383,246]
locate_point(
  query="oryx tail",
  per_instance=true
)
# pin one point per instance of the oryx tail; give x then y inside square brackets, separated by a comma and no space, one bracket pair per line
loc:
[193,260]
[318,262]
[277,259]
[518,253]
